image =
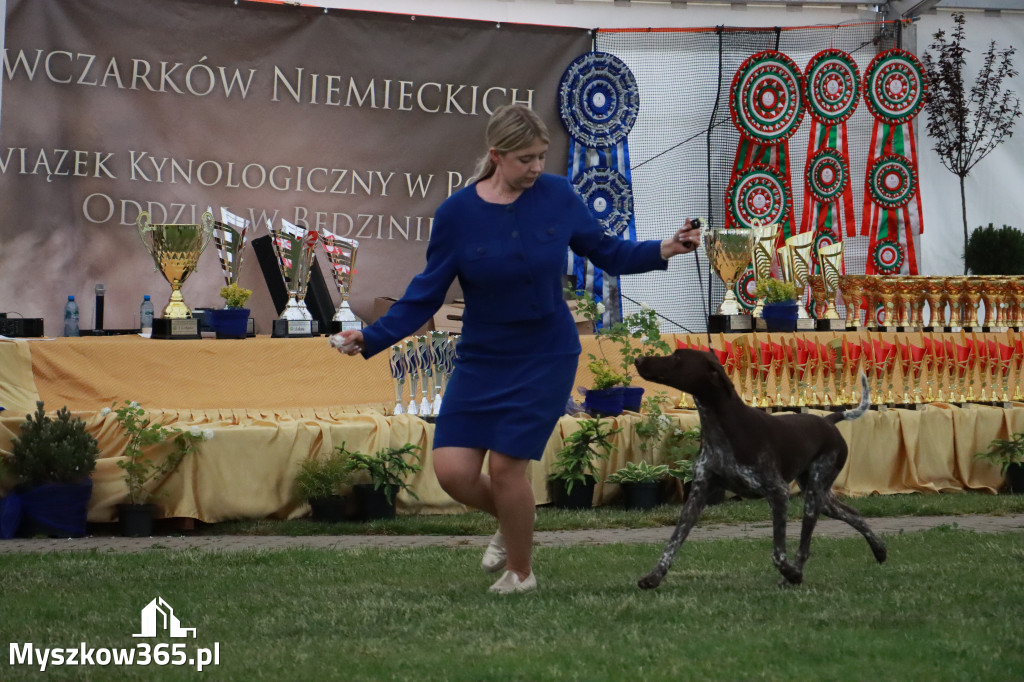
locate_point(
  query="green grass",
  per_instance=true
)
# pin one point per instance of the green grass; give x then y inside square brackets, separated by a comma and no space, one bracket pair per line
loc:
[946,606]
[613,516]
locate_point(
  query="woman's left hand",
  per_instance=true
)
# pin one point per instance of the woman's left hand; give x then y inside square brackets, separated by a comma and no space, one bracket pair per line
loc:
[686,239]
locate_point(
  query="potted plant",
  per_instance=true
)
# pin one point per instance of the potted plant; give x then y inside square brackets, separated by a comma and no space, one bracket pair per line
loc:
[323,483]
[681,449]
[51,458]
[780,309]
[142,474]
[1008,455]
[231,321]
[572,479]
[635,336]
[641,483]
[383,475]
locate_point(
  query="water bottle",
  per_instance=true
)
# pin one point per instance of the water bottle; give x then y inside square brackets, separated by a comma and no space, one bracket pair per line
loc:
[71,317]
[146,315]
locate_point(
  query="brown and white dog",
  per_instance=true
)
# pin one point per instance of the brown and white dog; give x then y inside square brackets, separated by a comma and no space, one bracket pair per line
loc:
[753,453]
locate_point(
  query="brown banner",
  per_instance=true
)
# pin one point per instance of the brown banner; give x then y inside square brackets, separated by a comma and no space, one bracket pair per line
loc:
[358,123]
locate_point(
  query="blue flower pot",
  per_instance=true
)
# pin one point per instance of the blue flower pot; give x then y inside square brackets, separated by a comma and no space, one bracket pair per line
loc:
[229,323]
[780,317]
[632,398]
[604,402]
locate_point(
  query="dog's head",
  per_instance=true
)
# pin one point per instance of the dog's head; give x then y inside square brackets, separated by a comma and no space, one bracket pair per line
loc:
[692,371]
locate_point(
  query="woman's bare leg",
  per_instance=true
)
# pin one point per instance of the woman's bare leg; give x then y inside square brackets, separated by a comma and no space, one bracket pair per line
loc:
[460,473]
[506,494]
[513,499]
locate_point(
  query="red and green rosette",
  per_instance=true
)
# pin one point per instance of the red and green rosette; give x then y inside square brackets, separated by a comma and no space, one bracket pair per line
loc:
[895,91]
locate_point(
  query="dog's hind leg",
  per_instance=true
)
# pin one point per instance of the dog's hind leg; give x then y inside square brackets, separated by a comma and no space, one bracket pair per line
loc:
[816,484]
[778,499]
[837,510]
[687,518]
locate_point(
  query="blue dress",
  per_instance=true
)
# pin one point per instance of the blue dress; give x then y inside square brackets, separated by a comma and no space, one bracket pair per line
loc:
[519,348]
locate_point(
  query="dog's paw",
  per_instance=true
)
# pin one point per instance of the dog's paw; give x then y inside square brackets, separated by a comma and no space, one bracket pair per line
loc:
[792,575]
[649,582]
[881,554]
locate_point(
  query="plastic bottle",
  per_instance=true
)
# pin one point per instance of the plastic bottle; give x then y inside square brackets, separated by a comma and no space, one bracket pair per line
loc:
[71,317]
[146,315]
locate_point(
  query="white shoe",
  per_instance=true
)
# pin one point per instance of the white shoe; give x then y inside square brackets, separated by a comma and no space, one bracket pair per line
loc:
[494,557]
[509,582]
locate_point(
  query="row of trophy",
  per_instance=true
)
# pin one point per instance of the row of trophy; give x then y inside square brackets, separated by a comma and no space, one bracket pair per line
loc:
[889,302]
[425,362]
[951,368]
[176,249]
[931,303]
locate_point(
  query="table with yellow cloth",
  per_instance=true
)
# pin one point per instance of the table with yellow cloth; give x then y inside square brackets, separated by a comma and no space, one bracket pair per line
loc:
[271,403]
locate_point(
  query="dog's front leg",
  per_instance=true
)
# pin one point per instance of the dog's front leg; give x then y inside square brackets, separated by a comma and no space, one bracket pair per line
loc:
[778,500]
[687,518]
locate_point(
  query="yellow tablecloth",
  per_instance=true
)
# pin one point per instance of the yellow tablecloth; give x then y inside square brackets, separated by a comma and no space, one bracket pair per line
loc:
[271,403]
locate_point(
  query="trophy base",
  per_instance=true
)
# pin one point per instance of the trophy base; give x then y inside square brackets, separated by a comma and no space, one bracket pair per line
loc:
[21,326]
[164,328]
[998,330]
[295,329]
[806,324]
[730,323]
[833,325]
[338,326]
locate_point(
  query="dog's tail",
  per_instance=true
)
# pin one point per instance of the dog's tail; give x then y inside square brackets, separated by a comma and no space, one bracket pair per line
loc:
[862,407]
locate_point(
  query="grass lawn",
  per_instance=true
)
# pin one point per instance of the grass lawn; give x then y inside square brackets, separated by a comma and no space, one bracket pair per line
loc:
[613,516]
[946,606]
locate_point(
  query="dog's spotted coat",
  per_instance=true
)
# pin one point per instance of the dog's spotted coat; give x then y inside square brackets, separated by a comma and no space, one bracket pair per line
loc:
[752,453]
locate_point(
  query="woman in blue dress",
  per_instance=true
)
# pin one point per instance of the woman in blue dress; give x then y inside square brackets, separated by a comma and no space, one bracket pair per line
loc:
[505,238]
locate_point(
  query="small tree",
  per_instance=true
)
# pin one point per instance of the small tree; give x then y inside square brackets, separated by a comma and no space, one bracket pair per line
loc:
[966,126]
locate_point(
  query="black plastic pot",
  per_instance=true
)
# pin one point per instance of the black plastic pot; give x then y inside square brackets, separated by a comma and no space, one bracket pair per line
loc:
[372,504]
[646,495]
[1015,478]
[580,497]
[330,509]
[136,520]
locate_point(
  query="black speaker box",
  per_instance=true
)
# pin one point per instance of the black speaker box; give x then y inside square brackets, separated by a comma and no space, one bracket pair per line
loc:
[318,296]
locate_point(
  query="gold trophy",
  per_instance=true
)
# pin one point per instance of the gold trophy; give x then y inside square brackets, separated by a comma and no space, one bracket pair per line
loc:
[935,295]
[1015,302]
[954,287]
[886,288]
[830,260]
[818,304]
[729,252]
[851,288]
[992,297]
[342,254]
[296,250]
[176,250]
[972,292]
[762,255]
[800,253]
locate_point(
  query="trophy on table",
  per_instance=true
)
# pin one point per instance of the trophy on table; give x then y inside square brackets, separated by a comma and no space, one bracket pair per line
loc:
[229,236]
[830,260]
[729,252]
[295,248]
[426,363]
[762,255]
[412,365]
[398,372]
[342,254]
[800,261]
[438,353]
[175,249]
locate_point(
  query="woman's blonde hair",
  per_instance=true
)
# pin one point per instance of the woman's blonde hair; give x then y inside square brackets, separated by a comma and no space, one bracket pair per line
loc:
[512,127]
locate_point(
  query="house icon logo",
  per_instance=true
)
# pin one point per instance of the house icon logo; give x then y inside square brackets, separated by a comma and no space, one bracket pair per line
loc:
[158,614]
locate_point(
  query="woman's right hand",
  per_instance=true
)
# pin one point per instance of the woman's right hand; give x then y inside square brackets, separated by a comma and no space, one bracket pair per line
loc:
[349,342]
